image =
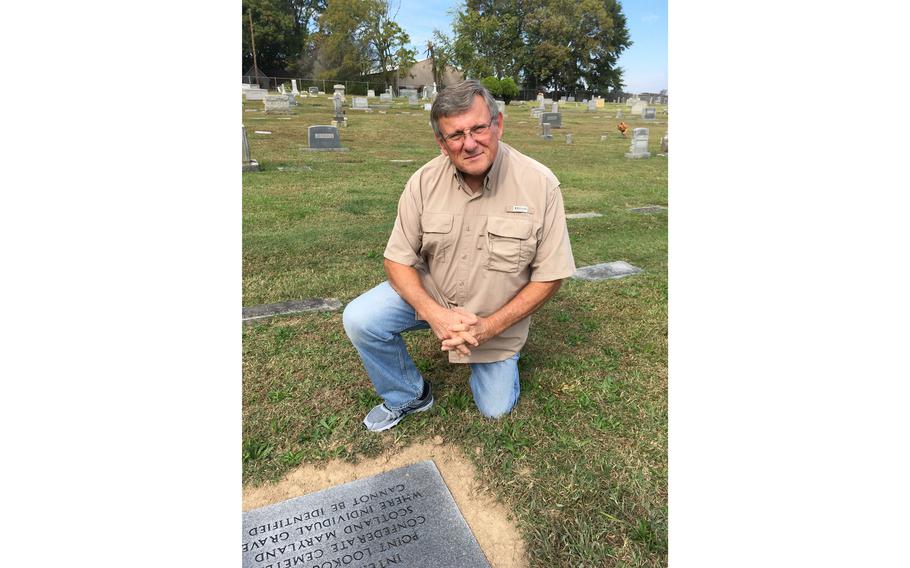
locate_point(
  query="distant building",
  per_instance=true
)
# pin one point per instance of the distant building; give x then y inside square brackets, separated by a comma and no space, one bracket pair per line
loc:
[420,75]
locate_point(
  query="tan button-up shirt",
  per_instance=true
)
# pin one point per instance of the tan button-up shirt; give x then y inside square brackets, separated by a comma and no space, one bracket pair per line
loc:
[478,250]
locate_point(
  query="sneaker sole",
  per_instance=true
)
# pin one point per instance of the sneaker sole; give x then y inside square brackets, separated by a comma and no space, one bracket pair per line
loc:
[399,419]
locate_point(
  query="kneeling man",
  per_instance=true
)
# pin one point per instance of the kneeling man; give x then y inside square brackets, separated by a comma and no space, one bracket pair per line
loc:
[479,243]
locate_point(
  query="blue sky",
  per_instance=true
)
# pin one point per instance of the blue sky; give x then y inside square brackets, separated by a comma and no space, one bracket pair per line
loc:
[645,63]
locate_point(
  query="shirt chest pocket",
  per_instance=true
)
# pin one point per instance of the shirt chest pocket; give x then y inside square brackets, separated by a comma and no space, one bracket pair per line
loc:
[437,235]
[509,245]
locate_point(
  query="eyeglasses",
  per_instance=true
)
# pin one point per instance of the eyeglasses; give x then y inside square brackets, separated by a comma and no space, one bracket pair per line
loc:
[479,131]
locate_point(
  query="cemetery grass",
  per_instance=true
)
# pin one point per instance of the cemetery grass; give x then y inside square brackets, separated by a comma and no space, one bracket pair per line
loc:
[582,460]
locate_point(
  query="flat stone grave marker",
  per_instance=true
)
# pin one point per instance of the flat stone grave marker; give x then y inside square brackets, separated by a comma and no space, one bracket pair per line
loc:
[606,271]
[324,138]
[648,210]
[404,517]
[262,132]
[256,313]
[588,215]
[554,119]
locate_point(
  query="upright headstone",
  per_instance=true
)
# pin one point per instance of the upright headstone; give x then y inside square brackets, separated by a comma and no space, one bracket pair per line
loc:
[555,107]
[428,106]
[545,131]
[599,102]
[568,138]
[277,104]
[592,106]
[314,91]
[649,113]
[339,89]
[322,137]
[663,144]
[371,93]
[294,87]
[619,113]
[255,94]
[385,97]
[502,106]
[412,99]
[338,117]
[249,164]
[554,119]
[281,89]
[638,107]
[360,103]
[639,146]
[570,99]
[292,100]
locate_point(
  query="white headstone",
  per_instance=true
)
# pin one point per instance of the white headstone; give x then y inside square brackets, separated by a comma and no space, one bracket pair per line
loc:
[360,103]
[294,87]
[277,103]
[639,147]
[371,93]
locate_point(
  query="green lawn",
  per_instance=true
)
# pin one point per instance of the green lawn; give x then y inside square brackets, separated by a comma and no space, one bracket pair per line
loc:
[582,460]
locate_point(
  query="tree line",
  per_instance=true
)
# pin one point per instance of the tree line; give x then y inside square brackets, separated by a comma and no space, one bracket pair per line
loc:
[559,46]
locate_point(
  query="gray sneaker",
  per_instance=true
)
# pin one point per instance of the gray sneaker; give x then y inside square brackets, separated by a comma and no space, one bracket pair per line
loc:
[382,418]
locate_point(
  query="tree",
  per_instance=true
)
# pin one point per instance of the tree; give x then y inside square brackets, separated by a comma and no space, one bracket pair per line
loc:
[559,45]
[357,36]
[281,31]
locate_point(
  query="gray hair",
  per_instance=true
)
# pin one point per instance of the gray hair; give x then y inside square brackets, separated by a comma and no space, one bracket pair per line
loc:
[457,99]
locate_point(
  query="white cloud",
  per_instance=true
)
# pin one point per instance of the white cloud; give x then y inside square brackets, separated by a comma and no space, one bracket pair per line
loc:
[650,18]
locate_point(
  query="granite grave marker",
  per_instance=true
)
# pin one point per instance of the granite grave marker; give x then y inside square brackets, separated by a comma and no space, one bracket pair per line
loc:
[324,138]
[639,146]
[404,517]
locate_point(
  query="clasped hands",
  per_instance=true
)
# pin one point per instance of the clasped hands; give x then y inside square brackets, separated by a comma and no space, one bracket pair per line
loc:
[458,328]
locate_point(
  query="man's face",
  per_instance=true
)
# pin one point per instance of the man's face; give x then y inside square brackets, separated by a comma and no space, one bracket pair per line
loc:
[473,154]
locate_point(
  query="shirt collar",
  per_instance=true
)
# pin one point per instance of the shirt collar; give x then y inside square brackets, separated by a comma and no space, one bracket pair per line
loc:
[491,180]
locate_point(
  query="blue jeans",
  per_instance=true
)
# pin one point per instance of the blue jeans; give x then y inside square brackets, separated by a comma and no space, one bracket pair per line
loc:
[374,322]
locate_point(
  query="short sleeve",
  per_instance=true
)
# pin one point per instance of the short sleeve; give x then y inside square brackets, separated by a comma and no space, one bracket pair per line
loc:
[406,238]
[553,260]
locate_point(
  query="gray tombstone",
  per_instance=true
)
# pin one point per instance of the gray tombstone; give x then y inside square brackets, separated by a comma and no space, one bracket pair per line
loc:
[570,99]
[554,119]
[545,132]
[249,164]
[649,113]
[371,93]
[292,100]
[639,146]
[360,103]
[405,517]
[339,89]
[314,91]
[568,138]
[619,113]
[385,97]
[592,106]
[638,107]
[663,144]
[277,104]
[256,314]
[555,107]
[412,99]
[324,137]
